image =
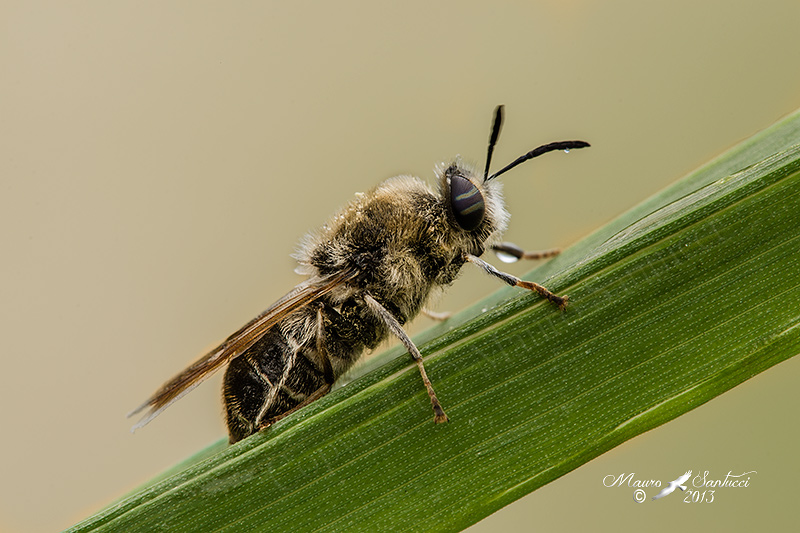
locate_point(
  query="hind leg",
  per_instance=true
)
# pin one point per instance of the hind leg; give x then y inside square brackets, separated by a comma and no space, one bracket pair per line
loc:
[306,373]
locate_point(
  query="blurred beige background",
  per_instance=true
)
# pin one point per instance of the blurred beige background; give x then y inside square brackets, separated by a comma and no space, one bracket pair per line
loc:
[160,162]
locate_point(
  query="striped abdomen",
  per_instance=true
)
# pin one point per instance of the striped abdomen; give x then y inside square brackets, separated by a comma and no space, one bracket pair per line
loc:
[296,361]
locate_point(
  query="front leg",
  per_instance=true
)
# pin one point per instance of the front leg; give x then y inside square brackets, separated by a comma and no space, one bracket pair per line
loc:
[559,301]
[508,252]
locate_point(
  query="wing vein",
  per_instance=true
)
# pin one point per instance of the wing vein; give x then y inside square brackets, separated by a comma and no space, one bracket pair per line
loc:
[235,345]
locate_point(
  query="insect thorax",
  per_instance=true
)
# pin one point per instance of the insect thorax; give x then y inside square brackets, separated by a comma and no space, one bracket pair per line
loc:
[400,242]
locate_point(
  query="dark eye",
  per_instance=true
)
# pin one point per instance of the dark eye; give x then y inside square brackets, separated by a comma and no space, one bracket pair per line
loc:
[467,203]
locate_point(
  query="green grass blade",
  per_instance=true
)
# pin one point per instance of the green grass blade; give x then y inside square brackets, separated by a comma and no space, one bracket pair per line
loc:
[678,300]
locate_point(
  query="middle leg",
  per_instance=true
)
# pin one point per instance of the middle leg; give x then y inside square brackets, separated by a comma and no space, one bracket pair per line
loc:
[394,326]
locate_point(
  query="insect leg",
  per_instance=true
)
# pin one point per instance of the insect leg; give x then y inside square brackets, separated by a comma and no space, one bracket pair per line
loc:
[326,369]
[314,396]
[436,315]
[395,327]
[560,301]
[510,252]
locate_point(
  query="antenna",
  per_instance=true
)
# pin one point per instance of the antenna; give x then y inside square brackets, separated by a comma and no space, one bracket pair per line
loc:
[498,123]
[543,149]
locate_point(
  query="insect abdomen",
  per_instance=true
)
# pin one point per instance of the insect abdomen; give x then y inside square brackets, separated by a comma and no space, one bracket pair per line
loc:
[297,358]
[258,386]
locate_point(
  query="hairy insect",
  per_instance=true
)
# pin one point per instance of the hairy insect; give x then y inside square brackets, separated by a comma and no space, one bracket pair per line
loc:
[370,270]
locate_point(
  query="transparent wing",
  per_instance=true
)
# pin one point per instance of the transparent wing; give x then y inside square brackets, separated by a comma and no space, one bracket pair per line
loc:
[235,345]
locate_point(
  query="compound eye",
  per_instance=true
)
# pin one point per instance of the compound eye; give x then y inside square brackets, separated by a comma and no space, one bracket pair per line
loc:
[467,203]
